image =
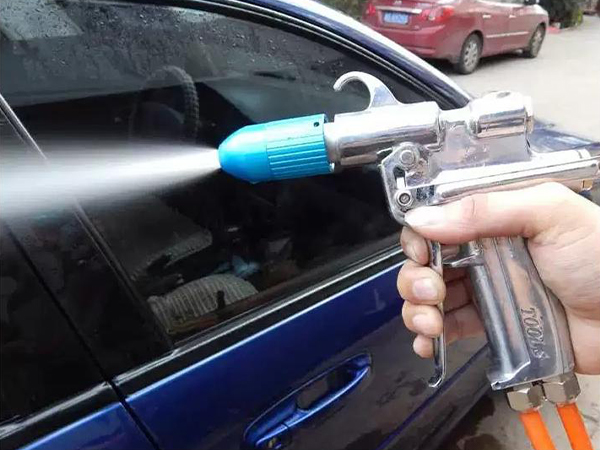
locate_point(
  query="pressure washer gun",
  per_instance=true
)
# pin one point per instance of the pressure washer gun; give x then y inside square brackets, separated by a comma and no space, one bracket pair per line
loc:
[429,157]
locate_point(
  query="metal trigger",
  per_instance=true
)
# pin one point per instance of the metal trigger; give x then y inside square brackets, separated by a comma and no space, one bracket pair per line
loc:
[439,343]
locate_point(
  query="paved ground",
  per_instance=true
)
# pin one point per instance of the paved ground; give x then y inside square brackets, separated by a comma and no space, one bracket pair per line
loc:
[492,425]
[564,82]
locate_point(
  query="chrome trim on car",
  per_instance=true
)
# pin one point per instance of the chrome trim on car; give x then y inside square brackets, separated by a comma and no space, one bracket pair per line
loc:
[399,9]
[492,3]
[501,35]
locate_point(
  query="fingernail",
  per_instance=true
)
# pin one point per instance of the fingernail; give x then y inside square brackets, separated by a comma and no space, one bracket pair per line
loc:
[425,216]
[417,347]
[412,251]
[424,289]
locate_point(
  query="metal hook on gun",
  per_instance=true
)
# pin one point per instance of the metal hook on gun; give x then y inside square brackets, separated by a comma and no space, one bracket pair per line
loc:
[379,93]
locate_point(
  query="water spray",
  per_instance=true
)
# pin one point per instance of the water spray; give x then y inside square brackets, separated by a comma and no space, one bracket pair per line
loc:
[87,174]
[427,156]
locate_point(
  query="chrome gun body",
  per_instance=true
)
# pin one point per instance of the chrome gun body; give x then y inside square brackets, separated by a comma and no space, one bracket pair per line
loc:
[429,157]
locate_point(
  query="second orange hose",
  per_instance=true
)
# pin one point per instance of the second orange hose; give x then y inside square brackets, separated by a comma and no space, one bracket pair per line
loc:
[574,426]
[536,430]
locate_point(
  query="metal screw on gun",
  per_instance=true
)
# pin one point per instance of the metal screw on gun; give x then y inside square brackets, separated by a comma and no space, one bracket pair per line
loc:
[409,157]
[404,199]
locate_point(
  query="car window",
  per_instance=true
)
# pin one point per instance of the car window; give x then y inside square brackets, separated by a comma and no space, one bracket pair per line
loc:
[89,76]
[42,360]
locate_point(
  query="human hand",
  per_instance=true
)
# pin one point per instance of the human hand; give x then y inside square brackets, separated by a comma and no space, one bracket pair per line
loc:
[563,232]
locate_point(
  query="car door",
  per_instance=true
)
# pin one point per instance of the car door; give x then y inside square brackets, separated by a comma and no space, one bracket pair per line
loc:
[268,315]
[495,23]
[522,23]
[52,393]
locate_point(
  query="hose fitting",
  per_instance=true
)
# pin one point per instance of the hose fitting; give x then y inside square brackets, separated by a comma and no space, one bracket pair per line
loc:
[562,389]
[526,397]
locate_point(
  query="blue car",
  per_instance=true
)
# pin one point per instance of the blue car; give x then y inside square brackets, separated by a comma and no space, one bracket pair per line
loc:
[211,313]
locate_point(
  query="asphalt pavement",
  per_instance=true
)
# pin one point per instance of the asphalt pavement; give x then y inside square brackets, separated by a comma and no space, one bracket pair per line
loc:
[564,83]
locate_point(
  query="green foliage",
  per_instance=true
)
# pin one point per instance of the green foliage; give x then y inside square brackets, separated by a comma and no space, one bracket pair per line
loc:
[353,8]
[567,12]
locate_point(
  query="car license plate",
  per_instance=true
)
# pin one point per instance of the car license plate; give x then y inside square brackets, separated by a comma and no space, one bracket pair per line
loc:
[395,17]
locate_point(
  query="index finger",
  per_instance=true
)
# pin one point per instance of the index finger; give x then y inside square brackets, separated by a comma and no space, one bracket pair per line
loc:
[414,246]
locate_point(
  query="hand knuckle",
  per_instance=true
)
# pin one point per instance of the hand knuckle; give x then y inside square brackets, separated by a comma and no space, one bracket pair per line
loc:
[473,207]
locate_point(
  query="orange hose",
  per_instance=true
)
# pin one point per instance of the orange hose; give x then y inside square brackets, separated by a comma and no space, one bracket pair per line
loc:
[536,430]
[574,426]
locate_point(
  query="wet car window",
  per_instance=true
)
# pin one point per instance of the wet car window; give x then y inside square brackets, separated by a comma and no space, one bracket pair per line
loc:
[90,76]
[42,360]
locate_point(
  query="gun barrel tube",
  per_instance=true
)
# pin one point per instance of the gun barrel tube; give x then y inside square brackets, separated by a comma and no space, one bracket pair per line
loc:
[355,139]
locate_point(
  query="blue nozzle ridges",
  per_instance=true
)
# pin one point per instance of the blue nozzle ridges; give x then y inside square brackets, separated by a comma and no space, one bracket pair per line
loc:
[289,148]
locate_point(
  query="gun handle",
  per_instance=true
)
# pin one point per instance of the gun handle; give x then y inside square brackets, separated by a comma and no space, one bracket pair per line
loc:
[525,323]
[439,343]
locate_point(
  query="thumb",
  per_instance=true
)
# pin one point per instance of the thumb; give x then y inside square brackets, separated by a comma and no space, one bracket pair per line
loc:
[526,212]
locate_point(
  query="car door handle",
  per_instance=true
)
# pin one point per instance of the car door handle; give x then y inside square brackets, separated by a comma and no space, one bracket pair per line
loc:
[511,16]
[486,16]
[273,429]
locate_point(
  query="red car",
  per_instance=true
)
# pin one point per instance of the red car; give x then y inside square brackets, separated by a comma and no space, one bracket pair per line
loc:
[461,31]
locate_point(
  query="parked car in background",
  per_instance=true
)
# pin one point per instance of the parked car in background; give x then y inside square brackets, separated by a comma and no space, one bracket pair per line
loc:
[461,31]
[591,7]
[212,314]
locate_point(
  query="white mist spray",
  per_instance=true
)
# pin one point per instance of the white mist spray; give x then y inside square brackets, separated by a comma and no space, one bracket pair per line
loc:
[28,186]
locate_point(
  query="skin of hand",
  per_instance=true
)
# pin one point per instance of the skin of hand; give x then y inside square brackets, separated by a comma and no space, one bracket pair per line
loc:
[563,232]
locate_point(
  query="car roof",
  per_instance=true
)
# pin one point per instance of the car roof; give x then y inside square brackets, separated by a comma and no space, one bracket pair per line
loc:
[344,26]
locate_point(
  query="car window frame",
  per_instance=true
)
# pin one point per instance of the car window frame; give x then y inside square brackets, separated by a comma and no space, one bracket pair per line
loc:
[372,261]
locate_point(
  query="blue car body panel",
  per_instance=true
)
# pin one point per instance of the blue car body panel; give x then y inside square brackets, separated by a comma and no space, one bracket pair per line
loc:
[111,428]
[218,395]
[212,403]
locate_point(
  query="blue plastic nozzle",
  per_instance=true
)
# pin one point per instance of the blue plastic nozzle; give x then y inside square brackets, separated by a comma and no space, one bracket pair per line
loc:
[289,148]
